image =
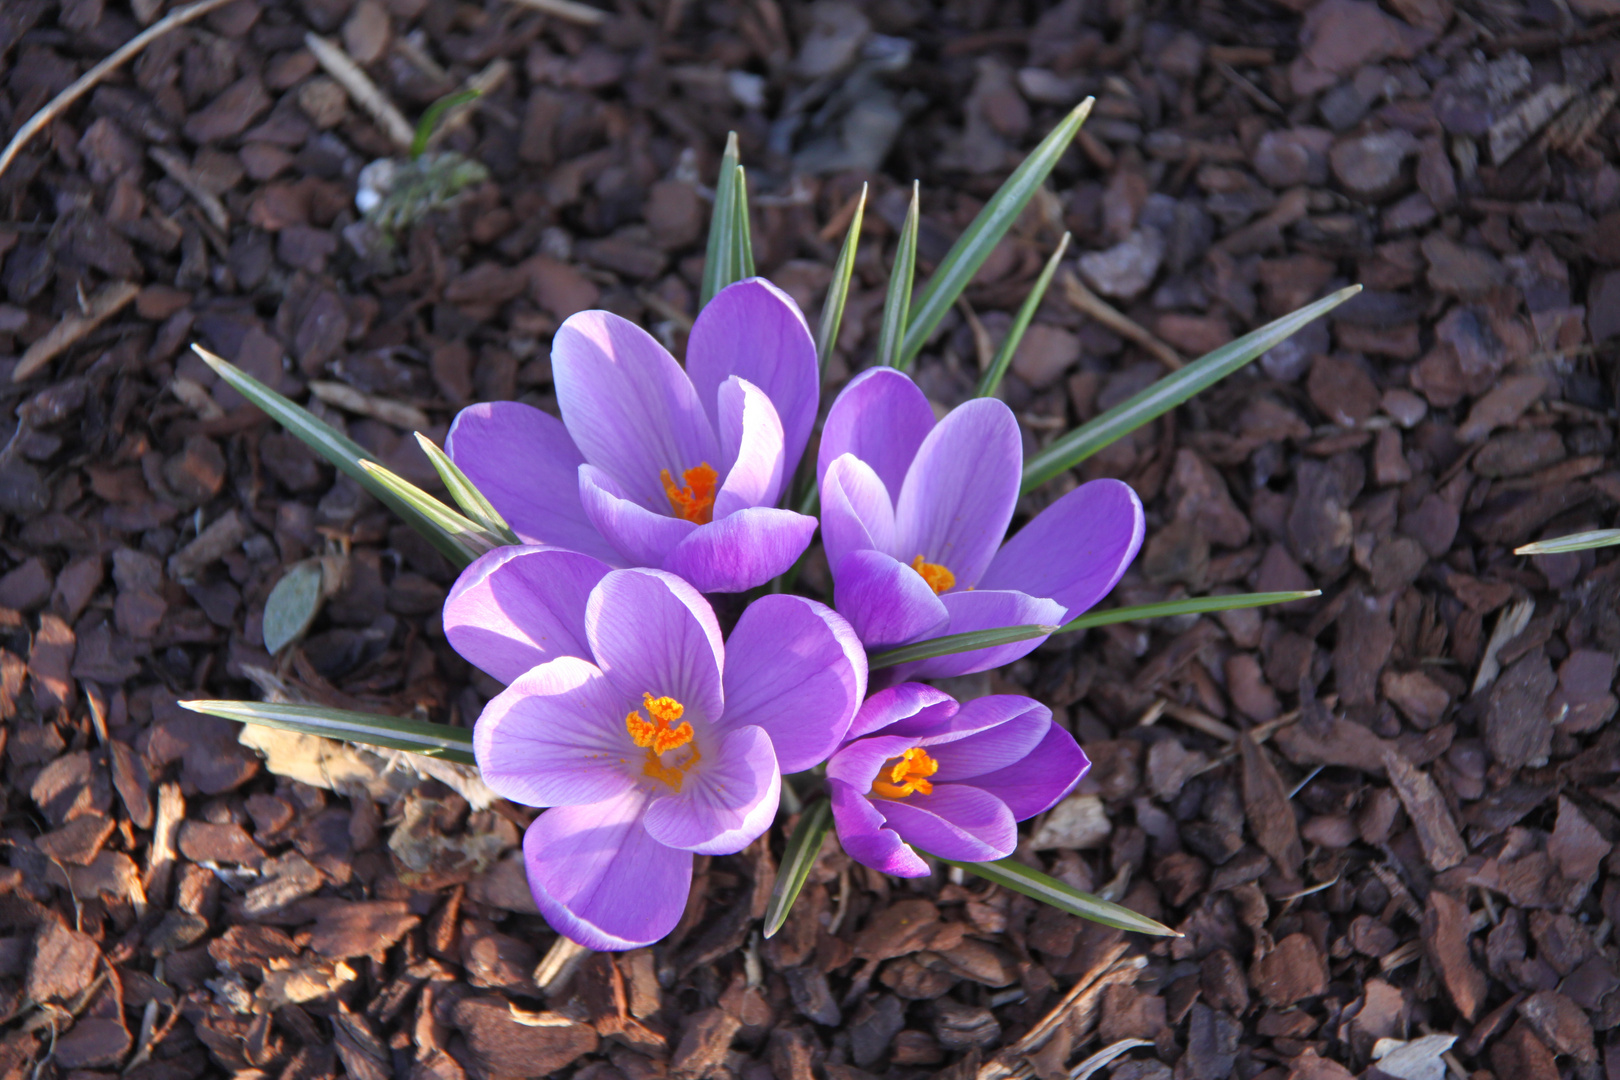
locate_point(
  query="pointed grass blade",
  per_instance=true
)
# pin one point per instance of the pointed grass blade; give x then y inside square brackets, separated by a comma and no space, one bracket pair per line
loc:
[435,113]
[832,308]
[797,860]
[392,732]
[974,245]
[1582,541]
[897,301]
[957,643]
[1170,391]
[466,493]
[718,271]
[1007,635]
[335,447]
[470,539]
[1198,605]
[1014,875]
[742,259]
[1015,334]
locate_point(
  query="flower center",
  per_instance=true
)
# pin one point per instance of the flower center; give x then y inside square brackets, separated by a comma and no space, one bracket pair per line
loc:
[695,501]
[660,735]
[909,772]
[939,579]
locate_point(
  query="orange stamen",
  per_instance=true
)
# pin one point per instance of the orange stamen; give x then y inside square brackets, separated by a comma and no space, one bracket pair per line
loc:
[939,579]
[660,735]
[695,501]
[907,773]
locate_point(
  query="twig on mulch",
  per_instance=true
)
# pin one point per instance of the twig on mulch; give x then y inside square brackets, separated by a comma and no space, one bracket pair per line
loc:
[106,303]
[360,87]
[569,10]
[1089,303]
[59,104]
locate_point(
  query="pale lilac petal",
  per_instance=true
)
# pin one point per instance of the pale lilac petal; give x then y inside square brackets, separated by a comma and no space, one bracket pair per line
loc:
[955,822]
[755,330]
[856,514]
[1076,550]
[901,703]
[639,536]
[940,727]
[751,449]
[600,880]
[652,633]
[857,763]
[864,837]
[796,669]
[556,737]
[1006,744]
[1037,783]
[961,490]
[728,799]
[880,417]
[985,609]
[516,607]
[527,466]
[887,602]
[629,406]
[741,551]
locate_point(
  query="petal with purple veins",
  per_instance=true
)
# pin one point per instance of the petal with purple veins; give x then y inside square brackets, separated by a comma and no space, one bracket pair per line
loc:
[742,550]
[882,418]
[887,602]
[726,801]
[556,737]
[796,669]
[961,490]
[865,838]
[641,537]
[527,466]
[600,880]
[984,609]
[516,607]
[955,822]
[751,449]
[856,514]
[1045,776]
[652,633]
[753,329]
[628,405]
[1009,741]
[1076,550]
[901,704]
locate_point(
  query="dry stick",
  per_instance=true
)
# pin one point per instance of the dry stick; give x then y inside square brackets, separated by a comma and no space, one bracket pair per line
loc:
[89,79]
[107,302]
[183,174]
[1090,303]
[569,10]
[349,75]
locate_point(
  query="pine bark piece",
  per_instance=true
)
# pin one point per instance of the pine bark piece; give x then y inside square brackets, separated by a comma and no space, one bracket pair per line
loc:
[1271,817]
[1442,844]
[1446,926]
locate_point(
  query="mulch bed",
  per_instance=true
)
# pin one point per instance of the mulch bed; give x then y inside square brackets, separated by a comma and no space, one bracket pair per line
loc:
[1383,814]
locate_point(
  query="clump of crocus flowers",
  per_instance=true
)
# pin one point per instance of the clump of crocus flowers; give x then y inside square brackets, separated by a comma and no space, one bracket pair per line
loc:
[649,734]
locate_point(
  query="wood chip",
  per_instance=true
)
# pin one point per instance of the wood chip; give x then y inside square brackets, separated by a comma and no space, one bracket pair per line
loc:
[108,301]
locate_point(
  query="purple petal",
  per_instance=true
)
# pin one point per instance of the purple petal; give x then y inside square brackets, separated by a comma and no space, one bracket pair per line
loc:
[857,763]
[520,606]
[751,448]
[726,801]
[528,468]
[556,737]
[600,880]
[1007,743]
[984,609]
[1076,550]
[652,633]
[639,536]
[796,669]
[886,601]
[755,330]
[939,727]
[743,550]
[629,406]
[901,703]
[961,489]
[882,418]
[1037,783]
[864,838]
[955,822]
[856,514]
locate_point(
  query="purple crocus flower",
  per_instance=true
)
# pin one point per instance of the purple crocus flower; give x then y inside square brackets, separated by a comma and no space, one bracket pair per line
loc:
[652,465]
[913,513]
[649,737]
[919,768]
